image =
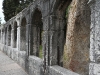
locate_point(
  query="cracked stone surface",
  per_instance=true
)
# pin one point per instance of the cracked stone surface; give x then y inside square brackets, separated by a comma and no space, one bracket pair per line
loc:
[9,67]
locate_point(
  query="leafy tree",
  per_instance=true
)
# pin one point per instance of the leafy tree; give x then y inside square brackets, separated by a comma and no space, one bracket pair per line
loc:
[9,8]
[13,7]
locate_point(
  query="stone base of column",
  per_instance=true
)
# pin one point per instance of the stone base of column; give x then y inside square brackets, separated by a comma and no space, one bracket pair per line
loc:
[94,69]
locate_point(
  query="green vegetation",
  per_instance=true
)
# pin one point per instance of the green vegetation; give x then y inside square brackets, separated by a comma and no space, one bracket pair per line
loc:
[40,52]
[67,11]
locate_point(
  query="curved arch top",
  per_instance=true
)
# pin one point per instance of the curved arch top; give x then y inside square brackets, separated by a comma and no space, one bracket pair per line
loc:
[23,19]
[59,4]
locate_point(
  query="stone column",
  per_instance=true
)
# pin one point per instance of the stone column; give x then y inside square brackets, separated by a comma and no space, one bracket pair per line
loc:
[56,34]
[18,38]
[4,37]
[45,44]
[1,37]
[92,32]
[12,37]
[49,43]
[94,67]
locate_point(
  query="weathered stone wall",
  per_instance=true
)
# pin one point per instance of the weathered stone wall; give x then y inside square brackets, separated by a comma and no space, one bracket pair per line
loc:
[78,38]
[57,70]
[95,38]
[25,51]
[25,38]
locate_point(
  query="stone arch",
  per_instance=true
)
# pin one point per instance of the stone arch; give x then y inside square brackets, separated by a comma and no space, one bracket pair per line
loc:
[39,7]
[60,29]
[37,28]
[77,37]
[80,42]
[15,34]
[59,4]
[9,35]
[23,34]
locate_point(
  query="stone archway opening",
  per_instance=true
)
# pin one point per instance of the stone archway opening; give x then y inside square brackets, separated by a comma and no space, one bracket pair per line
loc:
[77,38]
[37,30]
[2,36]
[23,35]
[62,19]
[15,34]
[9,35]
[6,36]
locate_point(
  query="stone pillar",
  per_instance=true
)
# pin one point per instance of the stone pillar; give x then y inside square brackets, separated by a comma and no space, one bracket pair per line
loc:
[1,37]
[4,37]
[18,38]
[53,40]
[12,37]
[45,44]
[56,34]
[53,47]
[94,66]
[92,32]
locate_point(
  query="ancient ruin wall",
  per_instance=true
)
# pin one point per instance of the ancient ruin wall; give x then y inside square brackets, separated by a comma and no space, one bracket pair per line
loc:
[78,37]
[22,28]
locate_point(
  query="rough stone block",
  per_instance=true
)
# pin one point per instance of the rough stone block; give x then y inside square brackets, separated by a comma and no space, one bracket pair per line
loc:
[94,69]
[35,65]
[21,58]
[15,54]
[57,70]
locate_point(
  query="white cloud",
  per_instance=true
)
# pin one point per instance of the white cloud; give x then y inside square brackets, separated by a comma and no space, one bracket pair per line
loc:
[1,12]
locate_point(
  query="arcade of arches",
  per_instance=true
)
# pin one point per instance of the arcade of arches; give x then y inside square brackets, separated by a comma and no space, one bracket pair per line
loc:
[45,42]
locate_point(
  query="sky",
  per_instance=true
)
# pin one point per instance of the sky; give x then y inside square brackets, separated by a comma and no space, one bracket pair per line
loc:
[1,12]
